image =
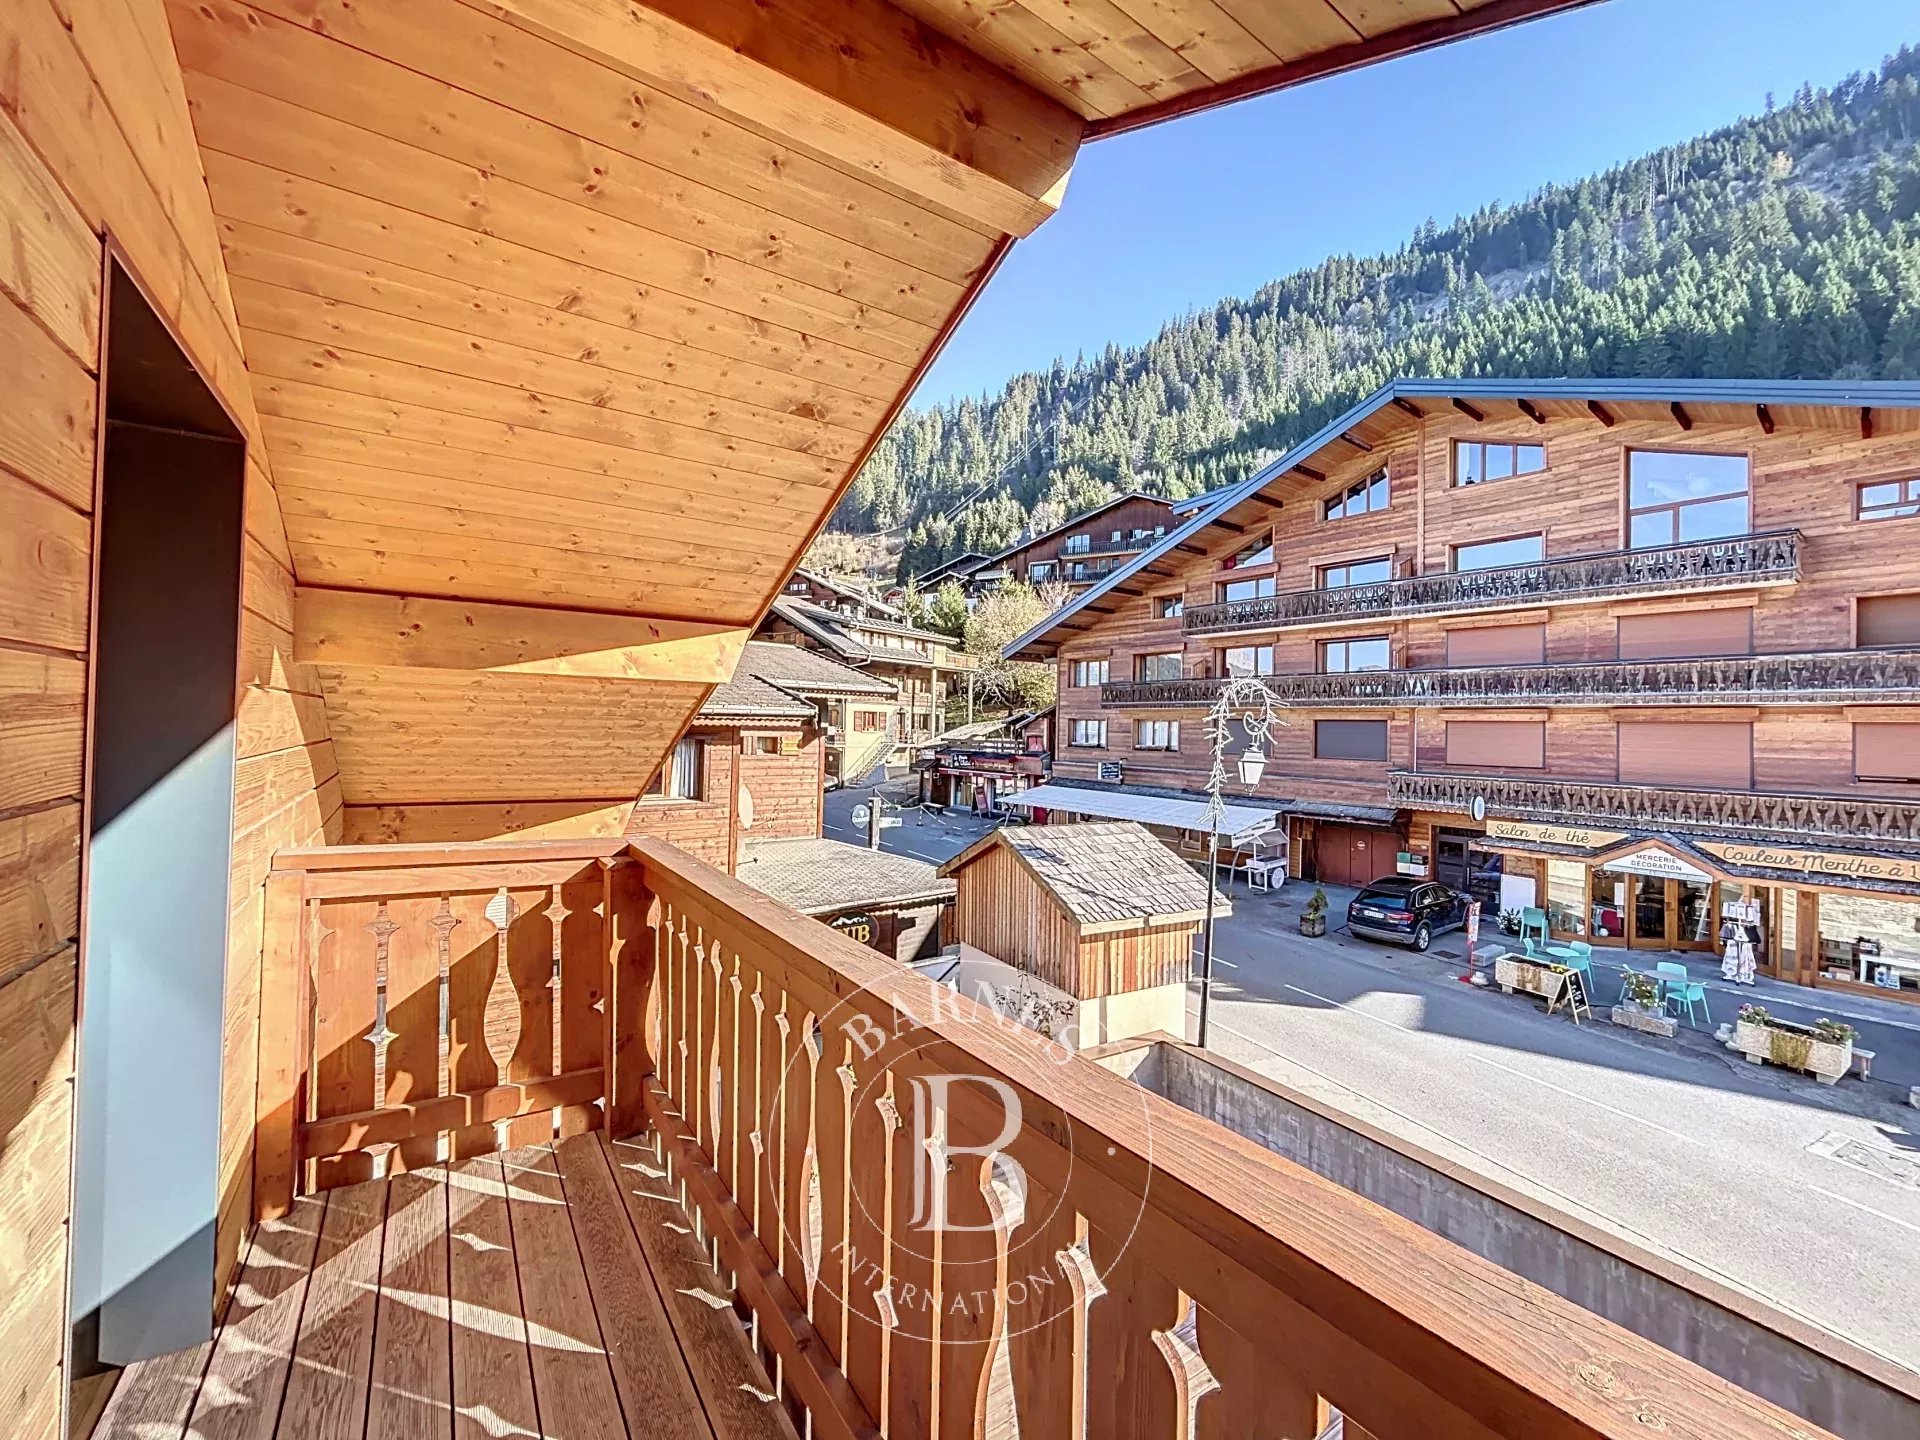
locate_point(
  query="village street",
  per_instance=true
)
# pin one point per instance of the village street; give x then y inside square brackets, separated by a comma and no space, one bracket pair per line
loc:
[1681,1147]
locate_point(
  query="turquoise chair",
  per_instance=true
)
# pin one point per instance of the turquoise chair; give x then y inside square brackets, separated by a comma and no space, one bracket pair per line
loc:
[1677,986]
[1533,918]
[1582,961]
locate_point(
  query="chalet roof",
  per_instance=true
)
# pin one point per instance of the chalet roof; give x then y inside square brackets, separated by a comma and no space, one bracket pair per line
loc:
[852,592]
[1078,520]
[815,876]
[1403,401]
[832,629]
[1110,876]
[961,564]
[779,681]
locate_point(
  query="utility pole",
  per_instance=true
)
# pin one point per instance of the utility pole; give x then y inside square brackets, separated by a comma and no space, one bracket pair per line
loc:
[873,821]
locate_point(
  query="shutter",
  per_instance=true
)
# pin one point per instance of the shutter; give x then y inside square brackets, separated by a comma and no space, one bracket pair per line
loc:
[1886,752]
[1889,620]
[1497,645]
[1711,755]
[1350,739]
[1498,744]
[1680,634]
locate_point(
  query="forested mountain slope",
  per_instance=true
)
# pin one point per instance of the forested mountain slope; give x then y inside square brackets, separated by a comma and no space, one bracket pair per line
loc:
[1784,245]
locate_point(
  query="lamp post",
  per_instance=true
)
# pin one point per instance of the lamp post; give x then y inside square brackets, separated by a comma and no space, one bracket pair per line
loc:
[1249,696]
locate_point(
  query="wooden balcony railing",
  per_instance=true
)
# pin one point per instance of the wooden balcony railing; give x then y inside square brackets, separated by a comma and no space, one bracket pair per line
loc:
[1772,558]
[1835,677]
[937,1223]
[1862,819]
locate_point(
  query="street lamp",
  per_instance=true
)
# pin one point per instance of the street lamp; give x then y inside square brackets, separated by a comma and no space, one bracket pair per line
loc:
[1248,698]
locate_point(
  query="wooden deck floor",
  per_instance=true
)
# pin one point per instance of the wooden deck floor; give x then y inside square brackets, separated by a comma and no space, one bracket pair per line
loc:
[554,1291]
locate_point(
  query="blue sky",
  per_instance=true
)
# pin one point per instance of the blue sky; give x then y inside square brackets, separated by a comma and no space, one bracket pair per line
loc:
[1181,215]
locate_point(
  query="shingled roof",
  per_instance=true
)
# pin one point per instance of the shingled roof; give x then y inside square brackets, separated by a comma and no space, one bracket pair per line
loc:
[1106,876]
[817,876]
[775,681]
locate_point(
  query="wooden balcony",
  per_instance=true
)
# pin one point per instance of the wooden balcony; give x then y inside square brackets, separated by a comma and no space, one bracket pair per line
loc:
[451,1037]
[1883,823]
[1833,677]
[1772,558]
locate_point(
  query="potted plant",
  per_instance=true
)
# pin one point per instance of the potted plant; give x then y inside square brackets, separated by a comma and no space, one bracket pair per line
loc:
[1639,1006]
[1509,922]
[1313,920]
[1825,1048]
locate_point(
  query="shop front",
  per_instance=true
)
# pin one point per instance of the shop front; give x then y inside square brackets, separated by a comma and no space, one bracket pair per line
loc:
[1830,919]
[980,777]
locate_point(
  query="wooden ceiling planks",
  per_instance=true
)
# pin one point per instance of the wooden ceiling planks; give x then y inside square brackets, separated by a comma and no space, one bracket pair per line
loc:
[595,309]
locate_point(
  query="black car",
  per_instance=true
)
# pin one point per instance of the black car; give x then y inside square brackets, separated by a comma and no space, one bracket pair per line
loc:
[1406,911]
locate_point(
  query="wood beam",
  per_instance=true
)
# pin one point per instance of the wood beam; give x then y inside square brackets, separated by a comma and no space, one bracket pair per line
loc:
[1360,445]
[1764,414]
[358,627]
[1226,524]
[856,81]
[1190,549]
[1318,476]
[1600,413]
[1156,570]
[1407,407]
[1531,411]
[1680,415]
[1265,499]
[1471,412]
[1866,422]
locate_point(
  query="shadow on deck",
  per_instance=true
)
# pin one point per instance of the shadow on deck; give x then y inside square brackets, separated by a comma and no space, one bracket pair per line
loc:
[554,1290]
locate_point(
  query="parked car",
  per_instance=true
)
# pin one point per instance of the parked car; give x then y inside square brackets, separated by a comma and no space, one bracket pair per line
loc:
[1405,911]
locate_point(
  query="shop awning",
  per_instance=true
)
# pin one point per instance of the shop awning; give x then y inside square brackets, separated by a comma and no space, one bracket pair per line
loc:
[1235,821]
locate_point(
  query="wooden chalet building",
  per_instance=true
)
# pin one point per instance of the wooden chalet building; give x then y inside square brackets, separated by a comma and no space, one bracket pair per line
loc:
[1628,651]
[917,667]
[1081,552]
[412,408]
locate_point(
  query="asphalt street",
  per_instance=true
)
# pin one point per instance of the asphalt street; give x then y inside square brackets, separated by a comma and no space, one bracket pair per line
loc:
[1805,1196]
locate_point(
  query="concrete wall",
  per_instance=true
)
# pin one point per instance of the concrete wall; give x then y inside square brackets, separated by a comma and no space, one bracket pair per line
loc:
[1812,1374]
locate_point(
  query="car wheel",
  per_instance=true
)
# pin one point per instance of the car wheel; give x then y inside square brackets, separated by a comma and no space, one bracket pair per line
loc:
[1423,937]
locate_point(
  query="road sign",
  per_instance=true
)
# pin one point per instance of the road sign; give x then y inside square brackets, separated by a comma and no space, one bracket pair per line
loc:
[889,822]
[861,815]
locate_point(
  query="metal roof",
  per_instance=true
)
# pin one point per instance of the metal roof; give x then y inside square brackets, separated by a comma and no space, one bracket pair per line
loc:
[1880,394]
[1235,821]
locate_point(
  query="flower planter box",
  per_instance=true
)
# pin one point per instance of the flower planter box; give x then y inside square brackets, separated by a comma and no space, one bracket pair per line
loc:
[1651,1022]
[1513,973]
[1313,924]
[1795,1048]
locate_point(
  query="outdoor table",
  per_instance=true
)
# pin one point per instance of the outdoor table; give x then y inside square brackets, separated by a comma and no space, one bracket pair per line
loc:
[1560,952]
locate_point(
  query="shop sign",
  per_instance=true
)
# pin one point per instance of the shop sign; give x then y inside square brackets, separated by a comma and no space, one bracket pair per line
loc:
[1574,837]
[1653,861]
[1813,862]
[1407,863]
[1111,770]
[855,926]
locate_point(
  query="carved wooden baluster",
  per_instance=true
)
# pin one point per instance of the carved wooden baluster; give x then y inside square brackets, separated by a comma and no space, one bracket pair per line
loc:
[832,1118]
[344,1012]
[557,914]
[469,955]
[726,1068]
[413,1011]
[503,1022]
[693,1103]
[1131,1390]
[1193,1378]
[796,1180]
[672,1010]
[580,925]
[911,1304]
[872,1117]
[770,1129]
[382,928]
[1044,1314]
[1262,1396]
[968,1251]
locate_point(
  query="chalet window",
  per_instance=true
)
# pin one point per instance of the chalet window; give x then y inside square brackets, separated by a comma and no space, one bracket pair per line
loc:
[1077,544]
[1475,461]
[1887,620]
[1497,645]
[1888,499]
[1089,672]
[869,720]
[1089,734]
[1363,497]
[1162,666]
[1691,754]
[1040,570]
[1350,739]
[1343,657]
[1260,589]
[797,587]
[1260,552]
[1493,554]
[1247,660]
[762,744]
[1497,744]
[1675,497]
[1169,607]
[1887,752]
[1685,634]
[1156,734]
[1355,572]
[679,777]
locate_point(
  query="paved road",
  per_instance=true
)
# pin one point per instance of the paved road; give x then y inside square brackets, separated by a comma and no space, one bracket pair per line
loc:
[924,836]
[1691,1152]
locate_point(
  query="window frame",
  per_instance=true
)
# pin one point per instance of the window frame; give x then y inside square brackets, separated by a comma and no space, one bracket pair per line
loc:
[1172,731]
[1261,544]
[1081,669]
[1141,661]
[1386,733]
[1363,489]
[1321,648]
[667,777]
[1910,495]
[1516,446]
[1630,511]
[1074,742]
[1453,552]
[1270,581]
[1170,607]
[1320,572]
[1226,669]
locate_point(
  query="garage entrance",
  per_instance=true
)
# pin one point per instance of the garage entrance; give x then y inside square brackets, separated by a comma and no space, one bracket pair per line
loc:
[1353,854]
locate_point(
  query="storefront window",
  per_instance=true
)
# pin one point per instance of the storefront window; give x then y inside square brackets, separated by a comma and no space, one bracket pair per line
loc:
[1566,897]
[1608,905]
[1696,913]
[1871,939]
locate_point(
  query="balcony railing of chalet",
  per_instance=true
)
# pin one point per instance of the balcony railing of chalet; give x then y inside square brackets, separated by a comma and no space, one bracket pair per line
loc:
[1125,545]
[1771,558]
[1865,819]
[1109,1265]
[1834,677]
